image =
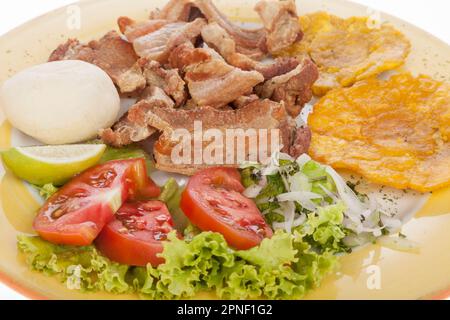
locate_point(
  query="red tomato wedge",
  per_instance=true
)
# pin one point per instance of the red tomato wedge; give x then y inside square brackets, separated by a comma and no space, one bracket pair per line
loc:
[134,236]
[213,201]
[76,214]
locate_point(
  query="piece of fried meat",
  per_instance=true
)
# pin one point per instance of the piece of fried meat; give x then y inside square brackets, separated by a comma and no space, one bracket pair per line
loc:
[211,81]
[112,54]
[293,88]
[261,114]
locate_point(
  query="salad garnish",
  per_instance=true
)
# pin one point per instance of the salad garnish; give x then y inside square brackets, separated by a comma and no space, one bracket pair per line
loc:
[236,230]
[283,267]
[315,214]
[294,194]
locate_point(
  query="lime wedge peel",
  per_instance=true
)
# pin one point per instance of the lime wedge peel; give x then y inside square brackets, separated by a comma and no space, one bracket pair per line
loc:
[51,164]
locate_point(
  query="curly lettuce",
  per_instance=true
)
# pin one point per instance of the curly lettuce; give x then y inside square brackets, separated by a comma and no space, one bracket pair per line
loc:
[47,190]
[128,152]
[282,267]
[310,192]
[324,229]
[81,268]
[171,196]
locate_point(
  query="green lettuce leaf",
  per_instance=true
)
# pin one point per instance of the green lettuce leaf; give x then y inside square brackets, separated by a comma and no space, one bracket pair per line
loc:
[247,177]
[81,268]
[274,187]
[282,267]
[243,282]
[171,195]
[168,190]
[314,170]
[47,190]
[324,229]
[129,152]
[271,252]
[313,266]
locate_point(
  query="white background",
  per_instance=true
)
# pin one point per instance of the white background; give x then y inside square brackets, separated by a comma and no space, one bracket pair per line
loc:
[430,15]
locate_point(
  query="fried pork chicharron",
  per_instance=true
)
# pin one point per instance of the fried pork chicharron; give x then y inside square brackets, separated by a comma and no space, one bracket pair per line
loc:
[248,42]
[112,54]
[190,62]
[167,79]
[216,37]
[127,130]
[280,20]
[261,114]
[281,23]
[157,45]
[294,87]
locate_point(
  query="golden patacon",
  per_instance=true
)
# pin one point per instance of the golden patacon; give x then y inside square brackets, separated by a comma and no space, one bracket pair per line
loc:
[394,132]
[348,50]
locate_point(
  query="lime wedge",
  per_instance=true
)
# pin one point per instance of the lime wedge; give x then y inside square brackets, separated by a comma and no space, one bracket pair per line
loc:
[52,164]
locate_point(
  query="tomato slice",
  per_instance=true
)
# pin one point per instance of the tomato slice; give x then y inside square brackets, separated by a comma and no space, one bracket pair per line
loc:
[134,236]
[76,214]
[213,201]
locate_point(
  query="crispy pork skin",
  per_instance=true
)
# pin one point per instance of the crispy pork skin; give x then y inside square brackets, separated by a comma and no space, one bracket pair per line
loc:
[216,37]
[157,45]
[167,79]
[112,54]
[186,55]
[198,66]
[216,83]
[280,20]
[210,79]
[127,130]
[294,87]
[277,67]
[242,101]
[174,10]
[297,140]
[133,30]
[250,42]
[260,114]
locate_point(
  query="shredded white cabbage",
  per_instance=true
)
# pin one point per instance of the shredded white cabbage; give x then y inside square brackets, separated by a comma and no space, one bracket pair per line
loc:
[330,194]
[355,240]
[272,167]
[302,160]
[253,191]
[274,163]
[289,214]
[299,220]
[299,182]
[362,217]
[350,199]
[302,197]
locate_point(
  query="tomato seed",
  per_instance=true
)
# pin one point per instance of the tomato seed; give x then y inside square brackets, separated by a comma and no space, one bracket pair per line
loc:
[57,213]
